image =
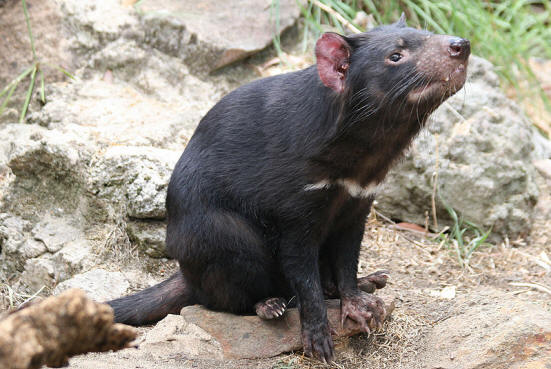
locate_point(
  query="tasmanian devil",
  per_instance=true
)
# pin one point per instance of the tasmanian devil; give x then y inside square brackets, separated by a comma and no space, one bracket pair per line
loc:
[270,197]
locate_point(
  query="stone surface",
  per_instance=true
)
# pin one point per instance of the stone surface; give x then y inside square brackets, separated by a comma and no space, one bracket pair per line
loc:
[480,144]
[13,246]
[54,233]
[247,337]
[544,167]
[199,31]
[149,236]
[117,114]
[99,284]
[136,177]
[32,151]
[38,273]
[75,257]
[497,331]
[177,335]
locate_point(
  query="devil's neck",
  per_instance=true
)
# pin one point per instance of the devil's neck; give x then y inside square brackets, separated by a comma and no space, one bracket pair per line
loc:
[365,149]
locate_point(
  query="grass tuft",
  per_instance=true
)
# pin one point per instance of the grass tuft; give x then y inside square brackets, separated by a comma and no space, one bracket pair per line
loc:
[463,238]
[506,32]
[33,70]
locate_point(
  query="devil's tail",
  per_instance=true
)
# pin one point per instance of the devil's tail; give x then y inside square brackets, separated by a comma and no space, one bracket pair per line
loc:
[154,303]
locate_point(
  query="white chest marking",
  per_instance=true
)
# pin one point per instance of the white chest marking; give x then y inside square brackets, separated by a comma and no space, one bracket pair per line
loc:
[353,188]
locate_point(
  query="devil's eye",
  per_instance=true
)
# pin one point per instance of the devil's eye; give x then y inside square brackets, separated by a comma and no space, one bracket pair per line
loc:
[395,57]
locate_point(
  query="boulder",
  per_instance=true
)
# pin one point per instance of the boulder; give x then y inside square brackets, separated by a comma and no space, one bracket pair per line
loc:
[497,331]
[134,177]
[200,34]
[38,273]
[203,333]
[480,145]
[14,245]
[54,233]
[149,236]
[544,167]
[110,114]
[99,284]
[75,257]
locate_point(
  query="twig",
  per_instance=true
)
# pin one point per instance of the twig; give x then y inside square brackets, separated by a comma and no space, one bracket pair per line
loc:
[535,259]
[421,233]
[387,219]
[434,185]
[336,15]
[535,286]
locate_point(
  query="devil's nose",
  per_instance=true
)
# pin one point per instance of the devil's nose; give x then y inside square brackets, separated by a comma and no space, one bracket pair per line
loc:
[459,48]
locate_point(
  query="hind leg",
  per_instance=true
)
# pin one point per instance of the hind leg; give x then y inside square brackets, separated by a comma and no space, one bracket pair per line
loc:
[226,260]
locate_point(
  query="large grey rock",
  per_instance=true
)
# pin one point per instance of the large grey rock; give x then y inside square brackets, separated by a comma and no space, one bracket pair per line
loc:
[32,151]
[199,31]
[54,233]
[116,114]
[200,332]
[497,331]
[149,236]
[15,247]
[481,144]
[174,333]
[75,257]
[38,273]
[90,26]
[135,177]
[98,284]
[544,167]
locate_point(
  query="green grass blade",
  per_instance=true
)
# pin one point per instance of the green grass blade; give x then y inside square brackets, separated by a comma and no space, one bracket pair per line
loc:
[16,81]
[66,72]
[28,97]
[42,93]
[27,19]
[7,99]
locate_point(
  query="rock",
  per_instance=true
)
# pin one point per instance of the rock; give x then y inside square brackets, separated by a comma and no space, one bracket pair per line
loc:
[14,248]
[76,256]
[481,145]
[177,335]
[31,151]
[54,233]
[98,284]
[200,34]
[149,236]
[498,332]
[91,29]
[110,114]
[38,273]
[136,177]
[6,180]
[202,332]
[544,167]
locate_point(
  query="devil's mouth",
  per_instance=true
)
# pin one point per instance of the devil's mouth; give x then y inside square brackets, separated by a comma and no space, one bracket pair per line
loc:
[440,88]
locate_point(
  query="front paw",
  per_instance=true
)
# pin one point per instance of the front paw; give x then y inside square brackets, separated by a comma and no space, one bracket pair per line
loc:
[365,309]
[317,342]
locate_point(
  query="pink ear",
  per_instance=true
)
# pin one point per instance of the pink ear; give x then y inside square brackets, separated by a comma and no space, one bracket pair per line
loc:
[332,54]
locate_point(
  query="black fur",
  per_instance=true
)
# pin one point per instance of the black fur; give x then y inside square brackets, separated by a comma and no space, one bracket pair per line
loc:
[240,221]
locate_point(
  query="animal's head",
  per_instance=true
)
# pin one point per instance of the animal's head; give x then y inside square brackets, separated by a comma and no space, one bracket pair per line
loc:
[393,64]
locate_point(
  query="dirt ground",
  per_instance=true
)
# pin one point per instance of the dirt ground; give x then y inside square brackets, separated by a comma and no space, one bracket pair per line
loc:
[421,269]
